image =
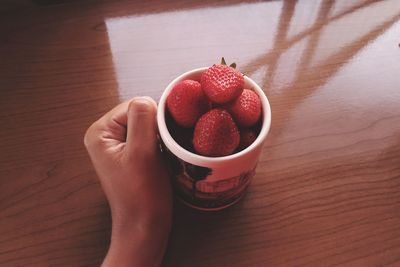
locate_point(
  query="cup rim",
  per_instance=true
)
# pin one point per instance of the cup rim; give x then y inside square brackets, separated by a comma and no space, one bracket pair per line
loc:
[193,158]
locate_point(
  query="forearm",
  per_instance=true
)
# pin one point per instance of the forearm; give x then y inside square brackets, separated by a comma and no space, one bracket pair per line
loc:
[136,245]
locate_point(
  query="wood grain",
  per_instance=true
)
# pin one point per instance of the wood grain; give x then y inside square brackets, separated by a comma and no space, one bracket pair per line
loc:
[327,190]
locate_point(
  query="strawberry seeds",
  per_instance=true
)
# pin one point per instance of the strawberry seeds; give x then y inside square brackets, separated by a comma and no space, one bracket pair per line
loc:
[216,116]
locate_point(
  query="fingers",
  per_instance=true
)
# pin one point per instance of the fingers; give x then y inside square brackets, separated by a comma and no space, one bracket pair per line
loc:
[114,122]
[141,128]
[112,128]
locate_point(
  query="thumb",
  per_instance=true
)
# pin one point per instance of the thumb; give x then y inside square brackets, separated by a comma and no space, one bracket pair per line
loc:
[142,129]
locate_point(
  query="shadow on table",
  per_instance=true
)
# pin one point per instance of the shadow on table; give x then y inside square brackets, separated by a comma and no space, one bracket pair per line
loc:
[314,76]
[195,231]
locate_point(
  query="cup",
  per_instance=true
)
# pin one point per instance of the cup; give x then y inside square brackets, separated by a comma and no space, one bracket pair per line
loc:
[211,183]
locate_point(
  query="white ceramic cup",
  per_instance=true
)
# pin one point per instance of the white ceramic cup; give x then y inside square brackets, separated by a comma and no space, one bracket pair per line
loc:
[211,183]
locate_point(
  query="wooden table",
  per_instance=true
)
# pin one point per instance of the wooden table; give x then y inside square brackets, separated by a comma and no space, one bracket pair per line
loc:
[327,191]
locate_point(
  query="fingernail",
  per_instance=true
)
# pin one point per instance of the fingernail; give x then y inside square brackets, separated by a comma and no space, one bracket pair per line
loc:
[141,104]
[141,123]
[151,100]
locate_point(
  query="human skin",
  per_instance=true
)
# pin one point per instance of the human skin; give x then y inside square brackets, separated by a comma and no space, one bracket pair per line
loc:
[123,147]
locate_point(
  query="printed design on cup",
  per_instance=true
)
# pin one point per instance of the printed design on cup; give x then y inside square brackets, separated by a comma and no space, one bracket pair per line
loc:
[190,183]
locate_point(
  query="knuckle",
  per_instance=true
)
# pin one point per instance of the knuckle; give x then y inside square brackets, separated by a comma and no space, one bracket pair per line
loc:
[90,136]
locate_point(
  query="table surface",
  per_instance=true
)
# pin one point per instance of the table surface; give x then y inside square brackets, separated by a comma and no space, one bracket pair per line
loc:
[327,190]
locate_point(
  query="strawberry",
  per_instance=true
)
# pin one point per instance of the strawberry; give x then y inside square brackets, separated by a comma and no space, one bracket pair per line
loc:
[187,102]
[222,83]
[246,109]
[247,137]
[216,134]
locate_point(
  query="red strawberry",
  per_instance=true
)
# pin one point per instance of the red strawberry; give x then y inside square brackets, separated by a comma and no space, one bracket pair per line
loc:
[216,134]
[222,83]
[247,137]
[187,102]
[246,109]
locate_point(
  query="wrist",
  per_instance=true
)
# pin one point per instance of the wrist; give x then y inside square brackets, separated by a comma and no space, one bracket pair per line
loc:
[144,222]
[137,242]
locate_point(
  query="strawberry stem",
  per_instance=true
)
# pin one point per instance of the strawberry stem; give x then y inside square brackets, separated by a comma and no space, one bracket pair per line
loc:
[223,61]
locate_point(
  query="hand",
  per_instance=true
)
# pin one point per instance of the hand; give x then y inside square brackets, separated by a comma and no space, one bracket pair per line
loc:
[123,147]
